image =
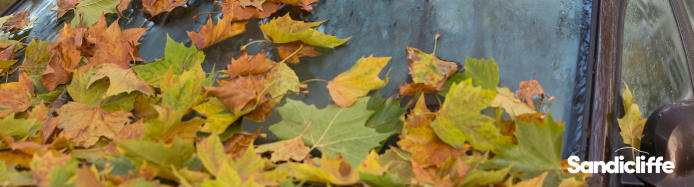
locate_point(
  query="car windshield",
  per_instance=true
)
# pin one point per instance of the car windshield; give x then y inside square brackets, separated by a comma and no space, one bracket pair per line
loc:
[546,40]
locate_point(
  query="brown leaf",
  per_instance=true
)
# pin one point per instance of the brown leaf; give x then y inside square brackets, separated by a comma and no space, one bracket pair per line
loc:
[160,6]
[414,88]
[86,178]
[18,21]
[421,140]
[16,96]
[528,89]
[132,131]
[133,35]
[255,3]
[240,13]
[262,110]
[65,56]
[148,2]
[15,158]
[65,5]
[249,66]
[111,46]
[122,6]
[429,69]
[211,34]
[286,149]
[287,49]
[48,128]
[236,145]
[238,93]
[86,126]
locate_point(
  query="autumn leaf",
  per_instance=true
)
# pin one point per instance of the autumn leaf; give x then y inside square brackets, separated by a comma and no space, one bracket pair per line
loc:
[286,149]
[631,126]
[45,167]
[528,89]
[121,80]
[219,118]
[110,46]
[333,129]
[175,58]
[85,125]
[64,58]
[237,144]
[186,91]
[169,126]
[280,80]
[447,175]
[211,34]
[133,35]
[83,91]
[507,100]
[159,154]
[7,59]
[238,13]
[421,140]
[334,171]
[36,58]
[482,72]
[18,21]
[479,177]
[65,5]
[249,65]
[535,181]
[386,119]
[459,119]
[429,69]
[89,12]
[17,128]
[211,152]
[286,50]
[305,4]
[161,6]
[286,30]
[538,151]
[16,96]
[357,81]
[11,177]
[229,177]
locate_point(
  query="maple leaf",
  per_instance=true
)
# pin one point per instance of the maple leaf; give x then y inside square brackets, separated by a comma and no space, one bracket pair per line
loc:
[238,93]
[414,88]
[185,91]
[161,6]
[255,3]
[16,96]
[507,100]
[631,126]
[163,156]
[528,89]
[452,170]
[456,78]
[386,119]
[211,152]
[335,171]
[89,12]
[4,19]
[479,177]
[237,145]
[421,140]
[237,12]
[110,46]
[482,72]
[18,21]
[211,34]
[535,181]
[7,59]
[429,69]
[121,80]
[175,58]
[459,119]
[286,30]
[133,35]
[229,177]
[11,177]
[357,81]
[18,128]
[45,166]
[249,66]
[168,126]
[305,4]
[85,125]
[64,58]
[538,151]
[87,177]
[333,129]
[36,58]
[280,80]
[286,50]
[219,118]
[65,5]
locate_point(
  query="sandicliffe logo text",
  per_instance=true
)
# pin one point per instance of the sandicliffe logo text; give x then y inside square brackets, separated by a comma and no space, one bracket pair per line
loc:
[619,165]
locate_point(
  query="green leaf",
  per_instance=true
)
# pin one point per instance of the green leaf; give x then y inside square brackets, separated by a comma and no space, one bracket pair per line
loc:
[175,55]
[91,10]
[122,101]
[9,176]
[158,154]
[386,119]
[17,128]
[183,92]
[399,166]
[36,58]
[81,91]
[60,175]
[454,79]
[538,151]
[483,73]
[121,165]
[169,126]
[460,120]
[387,180]
[219,118]
[333,130]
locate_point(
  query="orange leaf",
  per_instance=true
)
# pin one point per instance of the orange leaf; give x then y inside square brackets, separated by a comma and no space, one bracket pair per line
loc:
[86,126]
[240,13]
[414,88]
[111,46]
[528,89]
[238,93]
[133,35]
[236,145]
[305,4]
[245,65]
[85,177]
[16,95]
[65,56]
[356,82]
[210,34]
[287,49]
[160,6]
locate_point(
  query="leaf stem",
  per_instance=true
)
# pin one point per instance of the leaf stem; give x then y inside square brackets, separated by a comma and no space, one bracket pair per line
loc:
[312,80]
[290,56]
[257,41]
[184,62]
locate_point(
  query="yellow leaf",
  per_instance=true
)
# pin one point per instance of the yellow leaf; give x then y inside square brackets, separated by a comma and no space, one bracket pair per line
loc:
[533,182]
[428,69]
[211,152]
[121,80]
[284,30]
[631,126]
[85,125]
[357,81]
[335,171]
[507,100]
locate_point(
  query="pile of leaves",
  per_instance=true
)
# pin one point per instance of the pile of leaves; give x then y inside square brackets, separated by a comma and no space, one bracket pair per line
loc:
[86,111]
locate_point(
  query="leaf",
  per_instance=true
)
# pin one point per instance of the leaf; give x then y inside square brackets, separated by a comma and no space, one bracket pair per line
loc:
[85,177]
[333,129]
[528,89]
[42,166]
[421,140]
[110,46]
[479,177]
[628,98]
[11,177]
[571,182]
[460,121]
[239,93]
[286,30]
[286,50]
[86,125]
[3,20]
[184,92]
[175,56]
[16,22]
[161,6]
[64,58]
[211,152]
[121,80]
[483,73]
[17,128]
[428,69]
[168,126]
[36,58]
[219,118]
[133,35]
[249,165]
[631,126]
[211,34]
[357,81]
[82,90]
[229,177]
[65,5]
[538,151]
[286,149]
[280,80]
[16,96]
[235,10]
[160,154]
[386,119]
[249,66]
[398,165]
[506,99]
[536,181]
[335,171]
[445,176]
[237,145]
[387,180]
[255,3]
[88,12]
[305,4]
[456,78]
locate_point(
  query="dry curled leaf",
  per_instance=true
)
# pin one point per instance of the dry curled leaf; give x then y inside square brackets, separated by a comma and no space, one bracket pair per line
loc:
[161,6]
[429,69]
[18,21]
[211,34]
[528,89]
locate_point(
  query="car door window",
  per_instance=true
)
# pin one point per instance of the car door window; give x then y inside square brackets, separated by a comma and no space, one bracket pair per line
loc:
[653,58]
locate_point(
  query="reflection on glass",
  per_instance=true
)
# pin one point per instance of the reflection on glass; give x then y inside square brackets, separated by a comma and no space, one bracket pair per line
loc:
[653,59]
